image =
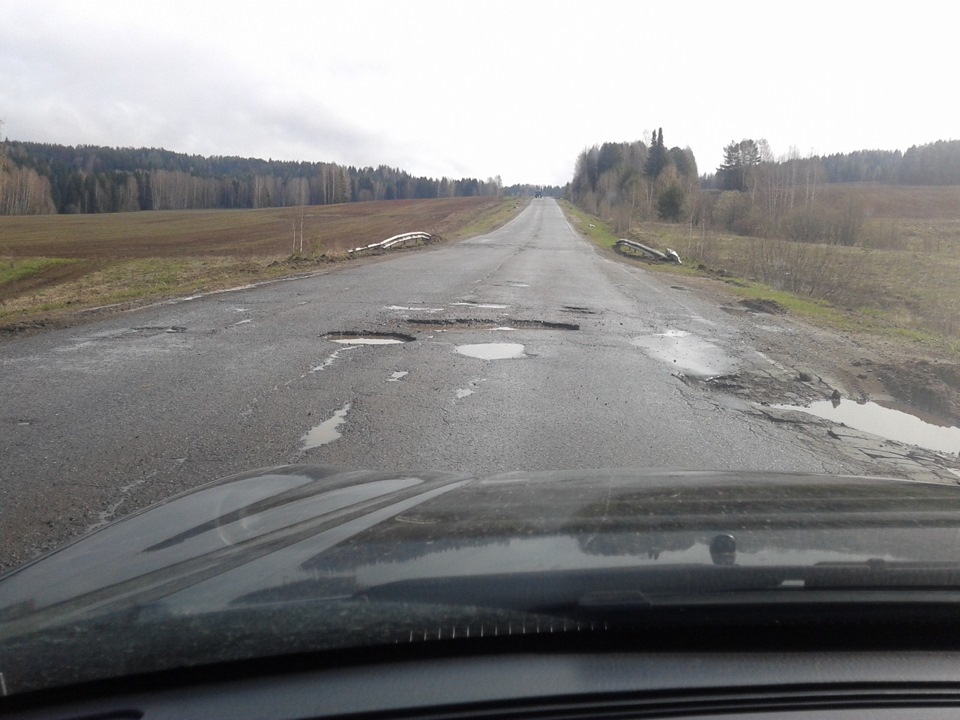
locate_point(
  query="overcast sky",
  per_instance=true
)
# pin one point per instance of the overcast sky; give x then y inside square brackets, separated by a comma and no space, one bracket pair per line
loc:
[477,89]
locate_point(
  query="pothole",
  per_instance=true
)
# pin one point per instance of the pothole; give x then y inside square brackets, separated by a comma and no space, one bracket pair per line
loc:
[763,305]
[685,352]
[501,324]
[493,351]
[136,333]
[364,337]
[885,422]
[414,309]
[161,328]
[578,309]
[487,306]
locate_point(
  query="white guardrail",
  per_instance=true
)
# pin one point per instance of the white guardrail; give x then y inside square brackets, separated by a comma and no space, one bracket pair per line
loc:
[669,256]
[401,239]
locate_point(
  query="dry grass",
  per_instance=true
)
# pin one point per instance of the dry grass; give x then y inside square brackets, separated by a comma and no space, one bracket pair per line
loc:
[903,277]
[52,266]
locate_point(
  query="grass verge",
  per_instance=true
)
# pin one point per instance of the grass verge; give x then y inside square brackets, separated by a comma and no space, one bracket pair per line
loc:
[14,270]
[594,228]
[907,296]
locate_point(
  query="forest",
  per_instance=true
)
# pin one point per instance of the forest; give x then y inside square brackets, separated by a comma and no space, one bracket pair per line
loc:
[752,192]
[37,178]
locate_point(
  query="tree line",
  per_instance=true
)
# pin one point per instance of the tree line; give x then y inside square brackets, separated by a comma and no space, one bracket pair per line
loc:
[752,192]
[40,178]
[783,197]
[635,180]
[936,163]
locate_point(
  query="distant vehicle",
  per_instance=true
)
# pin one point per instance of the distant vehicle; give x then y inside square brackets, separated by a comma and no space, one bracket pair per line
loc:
[538,194]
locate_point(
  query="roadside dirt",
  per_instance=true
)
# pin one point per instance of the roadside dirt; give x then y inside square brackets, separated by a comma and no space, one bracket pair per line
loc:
[813,363]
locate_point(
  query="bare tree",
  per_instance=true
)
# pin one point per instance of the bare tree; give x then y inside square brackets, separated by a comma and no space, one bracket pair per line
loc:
[3,169]
[299,212]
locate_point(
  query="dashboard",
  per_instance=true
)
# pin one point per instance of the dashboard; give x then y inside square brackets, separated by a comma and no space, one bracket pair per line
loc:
[579,685]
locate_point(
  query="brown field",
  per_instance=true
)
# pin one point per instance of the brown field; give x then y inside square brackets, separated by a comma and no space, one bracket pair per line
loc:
[53,265]
[332,229]
[900,202]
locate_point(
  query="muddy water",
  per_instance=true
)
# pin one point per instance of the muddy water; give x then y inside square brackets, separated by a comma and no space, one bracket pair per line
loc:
[887,423]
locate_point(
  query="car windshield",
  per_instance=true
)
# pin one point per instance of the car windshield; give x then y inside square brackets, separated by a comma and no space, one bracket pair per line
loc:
[344,327]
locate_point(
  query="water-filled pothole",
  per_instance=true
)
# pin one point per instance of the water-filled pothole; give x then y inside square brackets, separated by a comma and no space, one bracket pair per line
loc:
[493,351]
[487,306]
[686,352]
[478,324]
[363,337]
[885,422]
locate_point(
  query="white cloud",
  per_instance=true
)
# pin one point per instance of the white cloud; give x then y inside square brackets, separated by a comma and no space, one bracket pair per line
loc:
[439,88]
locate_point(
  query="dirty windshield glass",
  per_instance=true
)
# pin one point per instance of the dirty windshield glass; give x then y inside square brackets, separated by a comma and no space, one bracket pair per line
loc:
[365,312]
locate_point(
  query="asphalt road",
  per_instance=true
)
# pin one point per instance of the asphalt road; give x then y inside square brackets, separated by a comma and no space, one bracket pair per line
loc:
[102,419]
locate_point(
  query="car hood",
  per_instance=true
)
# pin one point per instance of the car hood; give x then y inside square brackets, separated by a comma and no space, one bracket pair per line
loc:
[300,559]
[268,534]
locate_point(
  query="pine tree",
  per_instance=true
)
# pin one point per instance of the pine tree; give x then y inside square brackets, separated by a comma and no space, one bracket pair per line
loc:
[739,158]
[657,158]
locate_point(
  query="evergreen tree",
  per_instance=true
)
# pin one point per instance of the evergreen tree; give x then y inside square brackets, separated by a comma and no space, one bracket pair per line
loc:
[657,157]
[739,158]
[670,203]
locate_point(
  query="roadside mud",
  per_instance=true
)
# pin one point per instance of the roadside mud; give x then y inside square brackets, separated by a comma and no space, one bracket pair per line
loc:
[798,364]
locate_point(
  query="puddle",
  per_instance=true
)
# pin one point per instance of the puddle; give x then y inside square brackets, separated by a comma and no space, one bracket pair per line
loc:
[686,352]
[333,357]
[885,422]
[488,306]
[493,351]
[159,328]
[368,338]
[414,309]
[370,341]
[326,432]
[518,284]
[398,376]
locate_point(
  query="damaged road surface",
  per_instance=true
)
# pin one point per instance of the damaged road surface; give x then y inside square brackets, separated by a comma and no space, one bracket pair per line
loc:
[523,349]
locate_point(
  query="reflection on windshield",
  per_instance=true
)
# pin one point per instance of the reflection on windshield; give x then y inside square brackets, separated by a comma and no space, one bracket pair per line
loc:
[559,553]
